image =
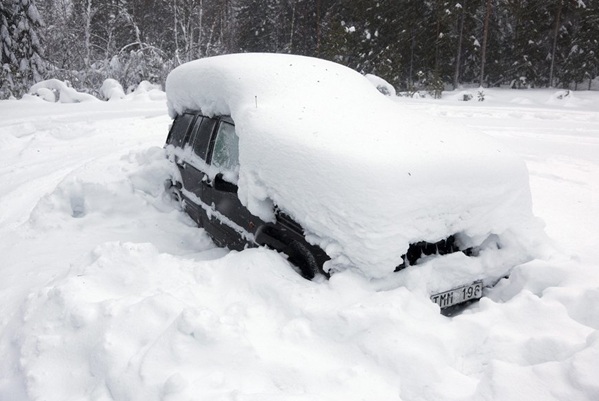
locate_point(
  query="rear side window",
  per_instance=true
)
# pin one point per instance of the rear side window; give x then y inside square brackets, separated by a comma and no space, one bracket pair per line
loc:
[225,156]
[202,131]
[180,129]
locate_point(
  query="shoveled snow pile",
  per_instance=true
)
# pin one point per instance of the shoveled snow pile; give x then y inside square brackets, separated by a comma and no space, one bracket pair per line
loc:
[112,90]
[364,177]
[381,85]
[49,89]
[109,293]
[53,90]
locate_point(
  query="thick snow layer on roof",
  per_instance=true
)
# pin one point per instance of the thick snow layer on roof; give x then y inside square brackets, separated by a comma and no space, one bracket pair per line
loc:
[364,176]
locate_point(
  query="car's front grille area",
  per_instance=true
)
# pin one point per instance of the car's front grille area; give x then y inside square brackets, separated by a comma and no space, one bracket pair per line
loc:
[422,248]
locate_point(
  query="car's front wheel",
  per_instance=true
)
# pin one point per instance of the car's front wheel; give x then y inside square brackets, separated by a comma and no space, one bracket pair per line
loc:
[173,189]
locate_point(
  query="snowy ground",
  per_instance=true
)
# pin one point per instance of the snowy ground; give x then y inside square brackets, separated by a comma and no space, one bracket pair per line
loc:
[107,292]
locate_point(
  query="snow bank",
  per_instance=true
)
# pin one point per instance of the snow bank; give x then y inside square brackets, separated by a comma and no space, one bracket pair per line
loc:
[65,93]
[364,176]
[108,293]
[148,91]
[46,94]
[112,90]
[146,86]
[567,98]
[381,85]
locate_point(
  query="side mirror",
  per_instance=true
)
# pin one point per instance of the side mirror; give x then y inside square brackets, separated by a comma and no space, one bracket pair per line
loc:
[221,185]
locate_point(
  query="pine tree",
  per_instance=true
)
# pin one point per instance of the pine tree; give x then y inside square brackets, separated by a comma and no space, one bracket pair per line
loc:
[21,47]
[62,42]
[304,25]
[414,41]
[575,44]
[587,43]
[7,57]
[260,26]
[469,65]
[364,36]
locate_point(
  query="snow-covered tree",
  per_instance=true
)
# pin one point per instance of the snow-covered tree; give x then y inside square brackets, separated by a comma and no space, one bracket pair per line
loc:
[20,47]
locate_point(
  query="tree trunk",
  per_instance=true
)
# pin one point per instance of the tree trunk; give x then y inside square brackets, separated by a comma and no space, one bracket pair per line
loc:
[200,30]
[483,57]
[88,23]
[555,36]
[412,49]
[318,27]
[458,57]
[175,29]
[293,28]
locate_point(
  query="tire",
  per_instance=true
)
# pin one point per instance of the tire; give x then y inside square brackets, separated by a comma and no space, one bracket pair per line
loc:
[173,189]
[300,256]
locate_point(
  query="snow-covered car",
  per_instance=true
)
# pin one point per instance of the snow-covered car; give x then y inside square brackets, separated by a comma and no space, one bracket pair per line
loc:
[306,157]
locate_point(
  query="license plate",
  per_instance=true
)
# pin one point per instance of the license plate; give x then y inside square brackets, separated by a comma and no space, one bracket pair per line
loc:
[458,295]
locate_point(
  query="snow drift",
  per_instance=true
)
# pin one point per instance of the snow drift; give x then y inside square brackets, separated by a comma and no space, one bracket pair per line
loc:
[108,293]
[49,89]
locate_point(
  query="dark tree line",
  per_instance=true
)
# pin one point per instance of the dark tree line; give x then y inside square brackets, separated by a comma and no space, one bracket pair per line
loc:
[407,42]
[491,42]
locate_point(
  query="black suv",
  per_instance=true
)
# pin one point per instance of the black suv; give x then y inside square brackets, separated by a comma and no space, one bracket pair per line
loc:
[365,178]
[206,153]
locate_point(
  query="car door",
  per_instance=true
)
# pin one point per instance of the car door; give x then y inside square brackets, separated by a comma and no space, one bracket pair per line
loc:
[233,225]
[179,138]
[194,169]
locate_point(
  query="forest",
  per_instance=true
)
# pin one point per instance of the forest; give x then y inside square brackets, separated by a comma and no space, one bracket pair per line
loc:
[413,44]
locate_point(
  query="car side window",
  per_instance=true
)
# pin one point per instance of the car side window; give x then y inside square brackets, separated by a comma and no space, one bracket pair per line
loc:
[201,135]
[178,134]
[225,155]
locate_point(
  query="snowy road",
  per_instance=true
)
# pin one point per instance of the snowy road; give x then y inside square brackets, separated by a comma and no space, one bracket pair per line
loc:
[107,292]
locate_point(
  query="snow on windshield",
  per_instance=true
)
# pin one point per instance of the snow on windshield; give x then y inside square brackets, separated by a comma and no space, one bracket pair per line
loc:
[364,176]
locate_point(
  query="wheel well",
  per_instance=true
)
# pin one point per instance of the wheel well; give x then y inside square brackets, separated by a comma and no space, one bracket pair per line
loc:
[308,258]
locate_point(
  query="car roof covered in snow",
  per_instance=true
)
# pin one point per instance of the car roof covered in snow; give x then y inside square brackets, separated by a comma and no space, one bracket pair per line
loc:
[363,175]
